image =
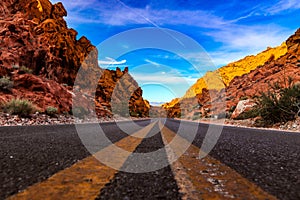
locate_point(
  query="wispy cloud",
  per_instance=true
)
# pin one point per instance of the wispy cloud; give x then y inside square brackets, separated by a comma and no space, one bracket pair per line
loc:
[152,62]
[245,40]
[235,39]
[163,78]
[117,14]
[111,61]
[284,5]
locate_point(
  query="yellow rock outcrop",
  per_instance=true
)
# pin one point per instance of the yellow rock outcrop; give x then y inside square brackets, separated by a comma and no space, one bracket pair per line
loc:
[221,78]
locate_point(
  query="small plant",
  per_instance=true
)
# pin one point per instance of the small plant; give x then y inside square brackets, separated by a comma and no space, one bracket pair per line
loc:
[15,66]
[6,84]
[243,98]
[79,112]
[195,117]
[51,111]
[249,114]
[20,107]
[25,70]
[280,104]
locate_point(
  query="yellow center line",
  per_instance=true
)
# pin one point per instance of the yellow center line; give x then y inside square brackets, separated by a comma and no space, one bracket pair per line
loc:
[86,178]
[209,177]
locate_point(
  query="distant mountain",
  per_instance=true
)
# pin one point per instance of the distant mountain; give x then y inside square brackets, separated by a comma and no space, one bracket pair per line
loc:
[242,79]
[156,103]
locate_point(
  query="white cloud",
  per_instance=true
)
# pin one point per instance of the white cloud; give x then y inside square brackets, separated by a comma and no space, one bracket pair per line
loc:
[163,78]
[284,5]
[152,62]
[240,41]
[76,4]
[111,61]
[236,40]
[119,14]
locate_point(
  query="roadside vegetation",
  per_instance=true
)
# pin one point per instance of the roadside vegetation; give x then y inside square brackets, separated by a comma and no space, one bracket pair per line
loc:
[6,84]
[51,111]
[20,107]
[279,104]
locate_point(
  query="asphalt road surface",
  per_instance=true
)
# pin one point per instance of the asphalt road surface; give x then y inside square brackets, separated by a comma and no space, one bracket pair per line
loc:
[244,164]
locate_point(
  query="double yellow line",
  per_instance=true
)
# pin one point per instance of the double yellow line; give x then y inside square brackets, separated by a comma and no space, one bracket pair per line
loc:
[205,178]
[85,179]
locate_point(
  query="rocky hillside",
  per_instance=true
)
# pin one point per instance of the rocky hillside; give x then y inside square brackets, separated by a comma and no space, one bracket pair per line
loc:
[238,68]
[117,91]
[277,70]
[41,56]
[243,79]
[211,80]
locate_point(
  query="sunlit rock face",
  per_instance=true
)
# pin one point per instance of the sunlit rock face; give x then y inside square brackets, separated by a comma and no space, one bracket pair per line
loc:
[276,70]
[243,79]
[34,34]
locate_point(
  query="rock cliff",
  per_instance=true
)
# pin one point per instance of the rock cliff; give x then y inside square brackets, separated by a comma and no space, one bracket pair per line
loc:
[35,36]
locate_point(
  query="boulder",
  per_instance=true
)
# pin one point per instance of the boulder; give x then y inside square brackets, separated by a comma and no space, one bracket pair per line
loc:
[242,107]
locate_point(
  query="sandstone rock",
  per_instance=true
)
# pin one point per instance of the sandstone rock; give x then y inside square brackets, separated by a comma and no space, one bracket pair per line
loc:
[37,31]
[34,34]
[248,78]
[42,92]
[242,107]
[277,71]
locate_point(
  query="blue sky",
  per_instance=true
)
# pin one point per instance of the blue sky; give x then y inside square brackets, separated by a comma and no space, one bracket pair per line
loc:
[227,30]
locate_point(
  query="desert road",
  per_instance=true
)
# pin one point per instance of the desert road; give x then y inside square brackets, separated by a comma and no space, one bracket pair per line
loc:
[52,162]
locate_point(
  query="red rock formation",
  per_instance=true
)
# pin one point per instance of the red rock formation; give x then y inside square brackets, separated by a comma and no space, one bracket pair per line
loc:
[250,84]
[119,93]
[40,91]
[34,34]
[259,80]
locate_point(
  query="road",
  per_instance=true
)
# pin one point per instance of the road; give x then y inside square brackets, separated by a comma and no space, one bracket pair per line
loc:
[51,162]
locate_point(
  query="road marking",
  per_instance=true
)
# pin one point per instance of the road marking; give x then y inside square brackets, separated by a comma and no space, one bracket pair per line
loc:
[85,179]
[209,177]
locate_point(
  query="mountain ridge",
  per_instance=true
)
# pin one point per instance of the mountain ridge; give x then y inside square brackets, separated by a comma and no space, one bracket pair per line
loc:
[229,71]
[246,86]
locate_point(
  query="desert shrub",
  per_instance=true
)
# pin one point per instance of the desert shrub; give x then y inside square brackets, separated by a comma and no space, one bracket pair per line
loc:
[134,114]
[25,70]
[20,107]
[6,84]
[280,104]
[51,111]
[243,98]
[79,112]
[15,66]
[122,109]
[254,112]
[195,117]
[222,115]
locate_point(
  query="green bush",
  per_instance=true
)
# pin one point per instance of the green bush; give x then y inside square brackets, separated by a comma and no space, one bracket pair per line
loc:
[6,84]
[51,111]
[20,107]
[280,104]
[254,112]
[243,98]
[122,109]
[196,117]
[15,66]
[25,70]
[79,112]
